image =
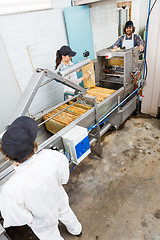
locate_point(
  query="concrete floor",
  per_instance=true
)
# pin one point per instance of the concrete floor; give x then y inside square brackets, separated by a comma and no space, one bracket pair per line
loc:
[117,197]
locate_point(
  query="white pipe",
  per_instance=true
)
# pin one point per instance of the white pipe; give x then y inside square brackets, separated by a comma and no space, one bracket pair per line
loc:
[103,131]
[74,67]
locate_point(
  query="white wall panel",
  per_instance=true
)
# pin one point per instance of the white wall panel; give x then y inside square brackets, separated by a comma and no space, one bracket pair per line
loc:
[151,90]
[51,93]
[31,40]
[136,14]
[143,15]
[104,19]
[9,90]
[139,15]
[22,67]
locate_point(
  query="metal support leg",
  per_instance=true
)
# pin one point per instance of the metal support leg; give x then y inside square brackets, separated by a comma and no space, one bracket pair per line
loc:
[98,129]
[119,100]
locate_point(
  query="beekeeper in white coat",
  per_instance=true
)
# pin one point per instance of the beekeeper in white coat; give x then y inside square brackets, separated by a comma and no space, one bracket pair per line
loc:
[34,195]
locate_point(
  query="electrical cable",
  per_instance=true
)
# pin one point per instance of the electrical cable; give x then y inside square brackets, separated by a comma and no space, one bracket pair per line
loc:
[151,10]
[69,94]
[147,27]
[105,117]
[138,73]
[72,168]
[146,68]
[134,78]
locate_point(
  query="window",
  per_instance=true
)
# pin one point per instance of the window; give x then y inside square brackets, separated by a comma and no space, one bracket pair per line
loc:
[17,6]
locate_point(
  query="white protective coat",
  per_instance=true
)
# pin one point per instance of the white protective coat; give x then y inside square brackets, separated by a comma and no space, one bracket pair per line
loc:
[34,195]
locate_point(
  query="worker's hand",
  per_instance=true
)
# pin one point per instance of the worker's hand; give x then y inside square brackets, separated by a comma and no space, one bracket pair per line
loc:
[141,48]
[115,47]
[85,76]
[79,70]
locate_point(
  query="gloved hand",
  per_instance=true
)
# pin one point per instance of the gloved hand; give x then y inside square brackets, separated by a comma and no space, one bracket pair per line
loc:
[85,76]
[141,48]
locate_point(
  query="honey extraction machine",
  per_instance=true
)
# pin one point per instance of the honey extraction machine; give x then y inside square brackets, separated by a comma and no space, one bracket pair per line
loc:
[78,122]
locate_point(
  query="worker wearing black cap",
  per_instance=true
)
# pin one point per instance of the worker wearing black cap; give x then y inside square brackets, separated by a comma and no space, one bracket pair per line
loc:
[63,60]
[129,40]
[34,195]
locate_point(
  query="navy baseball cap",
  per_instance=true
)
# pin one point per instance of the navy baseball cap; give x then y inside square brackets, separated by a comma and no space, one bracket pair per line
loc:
[129,24]
[65,50]
[18,140]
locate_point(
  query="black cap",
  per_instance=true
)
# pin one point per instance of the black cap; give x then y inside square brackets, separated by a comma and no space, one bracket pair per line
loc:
[65,50]
[18,140]
[128,24]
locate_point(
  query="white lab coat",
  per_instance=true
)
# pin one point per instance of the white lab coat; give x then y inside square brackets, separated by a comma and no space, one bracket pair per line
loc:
[34,195]
[72,77]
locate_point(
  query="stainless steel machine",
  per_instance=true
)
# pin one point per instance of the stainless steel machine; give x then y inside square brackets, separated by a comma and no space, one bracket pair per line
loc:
[114,67]
[114,70]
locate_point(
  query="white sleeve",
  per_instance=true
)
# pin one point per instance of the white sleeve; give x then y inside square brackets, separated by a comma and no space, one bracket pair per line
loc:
[14,214]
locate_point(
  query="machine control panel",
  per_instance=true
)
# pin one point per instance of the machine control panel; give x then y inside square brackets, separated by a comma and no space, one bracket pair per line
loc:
[76,143]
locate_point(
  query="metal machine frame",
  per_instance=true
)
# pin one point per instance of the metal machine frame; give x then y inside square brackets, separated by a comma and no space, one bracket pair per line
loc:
[112,111]
[111,106]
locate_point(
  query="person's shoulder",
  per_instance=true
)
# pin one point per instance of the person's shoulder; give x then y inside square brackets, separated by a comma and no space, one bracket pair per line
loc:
[11,185]
[45,152]
[49,154]
[121,37]
[136,35]
[51,158]
[60,67]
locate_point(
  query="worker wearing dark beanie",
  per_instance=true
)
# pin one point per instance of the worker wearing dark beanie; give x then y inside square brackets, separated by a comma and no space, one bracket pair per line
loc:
[34,195]
[130,39]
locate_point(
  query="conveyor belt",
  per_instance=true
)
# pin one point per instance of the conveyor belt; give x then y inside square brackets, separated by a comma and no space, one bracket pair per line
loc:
[100,93]
[63,118]
[71,113]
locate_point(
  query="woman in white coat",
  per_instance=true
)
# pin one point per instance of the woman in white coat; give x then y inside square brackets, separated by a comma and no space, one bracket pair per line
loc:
[63,60]
[34,195]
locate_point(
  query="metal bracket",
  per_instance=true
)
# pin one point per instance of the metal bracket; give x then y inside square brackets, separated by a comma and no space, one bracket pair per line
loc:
[2,230]
[64,81]
[94,100]
[98,128]
[36,82]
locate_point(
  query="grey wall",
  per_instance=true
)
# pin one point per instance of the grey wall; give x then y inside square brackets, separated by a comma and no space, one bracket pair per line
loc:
[9,90]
